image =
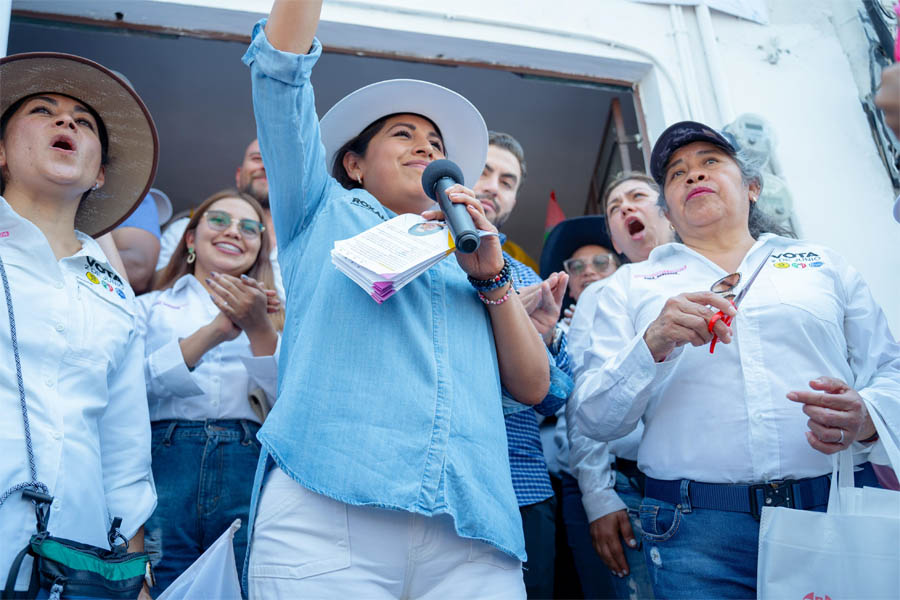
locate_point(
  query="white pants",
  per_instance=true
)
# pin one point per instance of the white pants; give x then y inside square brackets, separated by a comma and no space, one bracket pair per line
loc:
[306,545]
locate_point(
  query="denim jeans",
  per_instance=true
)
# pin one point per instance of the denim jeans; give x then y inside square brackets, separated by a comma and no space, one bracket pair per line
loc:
[706,553]
[637,583]
[204,478]
[597,581]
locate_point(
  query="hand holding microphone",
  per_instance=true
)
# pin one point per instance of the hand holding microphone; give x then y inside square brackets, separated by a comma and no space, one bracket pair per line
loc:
[481,257]
[437,177]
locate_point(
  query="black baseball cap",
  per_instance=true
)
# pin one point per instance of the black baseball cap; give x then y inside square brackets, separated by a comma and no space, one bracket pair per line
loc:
[681,134]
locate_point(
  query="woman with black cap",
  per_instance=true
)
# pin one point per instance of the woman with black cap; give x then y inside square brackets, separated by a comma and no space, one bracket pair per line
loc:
[747,423]
[382,406]
[78,151]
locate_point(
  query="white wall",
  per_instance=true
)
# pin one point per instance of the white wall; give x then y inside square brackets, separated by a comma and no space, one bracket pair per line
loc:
[842,194]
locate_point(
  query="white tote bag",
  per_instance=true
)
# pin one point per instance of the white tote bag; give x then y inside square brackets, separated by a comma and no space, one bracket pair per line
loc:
[852,551]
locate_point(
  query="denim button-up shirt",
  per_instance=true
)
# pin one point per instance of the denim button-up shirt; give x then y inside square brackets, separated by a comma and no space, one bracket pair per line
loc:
[395,405]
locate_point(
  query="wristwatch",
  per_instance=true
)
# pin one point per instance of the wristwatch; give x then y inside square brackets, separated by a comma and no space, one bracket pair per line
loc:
[557,339]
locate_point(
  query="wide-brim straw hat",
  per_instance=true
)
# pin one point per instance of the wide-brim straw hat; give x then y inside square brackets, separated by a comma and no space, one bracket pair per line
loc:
[462,127]
[133,143]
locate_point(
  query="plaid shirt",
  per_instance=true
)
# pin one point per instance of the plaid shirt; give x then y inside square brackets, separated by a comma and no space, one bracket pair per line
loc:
[531,481]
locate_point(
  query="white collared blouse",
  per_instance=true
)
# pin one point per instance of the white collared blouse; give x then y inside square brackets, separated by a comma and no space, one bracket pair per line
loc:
[588,459]
[218,387]
[724,417]
[84,388]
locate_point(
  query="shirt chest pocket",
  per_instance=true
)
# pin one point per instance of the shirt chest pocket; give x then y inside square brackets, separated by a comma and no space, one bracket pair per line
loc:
[809,290]
[100,327]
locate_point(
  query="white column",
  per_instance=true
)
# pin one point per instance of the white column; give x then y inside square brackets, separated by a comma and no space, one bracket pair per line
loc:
[711,50]
[5,12]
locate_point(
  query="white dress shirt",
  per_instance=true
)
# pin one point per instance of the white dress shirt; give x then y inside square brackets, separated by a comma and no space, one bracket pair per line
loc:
[84,388]
[219,385]
[724,417]
[588,459]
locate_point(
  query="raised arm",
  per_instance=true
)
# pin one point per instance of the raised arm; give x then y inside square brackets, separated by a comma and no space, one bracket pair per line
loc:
[285,109]
[292,25]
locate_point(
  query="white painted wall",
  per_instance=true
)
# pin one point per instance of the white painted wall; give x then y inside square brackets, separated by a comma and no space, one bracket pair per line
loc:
[842,194]
[5,8]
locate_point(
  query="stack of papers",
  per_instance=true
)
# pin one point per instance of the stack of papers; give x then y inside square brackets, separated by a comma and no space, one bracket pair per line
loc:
[385,258]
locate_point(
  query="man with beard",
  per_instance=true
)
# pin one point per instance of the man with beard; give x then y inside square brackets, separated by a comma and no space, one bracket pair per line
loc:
[497,189]
[250,178]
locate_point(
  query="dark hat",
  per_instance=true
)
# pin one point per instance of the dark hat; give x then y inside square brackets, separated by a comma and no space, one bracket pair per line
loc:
[570,235]
[133,143]
[678,135]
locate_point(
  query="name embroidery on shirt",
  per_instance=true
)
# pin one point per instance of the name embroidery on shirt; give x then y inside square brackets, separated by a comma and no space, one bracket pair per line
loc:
[662,273]
[797,260]
[367,206]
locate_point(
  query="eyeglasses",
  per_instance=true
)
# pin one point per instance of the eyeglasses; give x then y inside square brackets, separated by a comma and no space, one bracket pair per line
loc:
[219,220]
[725,286]
[600,262]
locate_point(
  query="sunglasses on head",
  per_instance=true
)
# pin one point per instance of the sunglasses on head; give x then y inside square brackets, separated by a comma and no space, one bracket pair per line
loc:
[219,220]
[576,266]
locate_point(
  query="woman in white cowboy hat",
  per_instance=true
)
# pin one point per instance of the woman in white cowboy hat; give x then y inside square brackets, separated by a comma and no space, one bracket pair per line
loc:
[392,406]
[78,151]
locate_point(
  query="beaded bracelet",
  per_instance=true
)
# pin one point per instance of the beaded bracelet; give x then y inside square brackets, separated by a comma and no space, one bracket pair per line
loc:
[499,300]
[495,282]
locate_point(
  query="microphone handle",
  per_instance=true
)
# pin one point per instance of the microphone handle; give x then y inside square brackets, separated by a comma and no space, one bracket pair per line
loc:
[465,235]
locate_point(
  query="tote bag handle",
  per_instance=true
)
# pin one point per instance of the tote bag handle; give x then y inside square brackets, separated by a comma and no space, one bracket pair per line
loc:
[842,469]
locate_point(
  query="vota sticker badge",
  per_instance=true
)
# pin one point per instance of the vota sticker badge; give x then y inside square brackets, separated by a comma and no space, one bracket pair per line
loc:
[797,260]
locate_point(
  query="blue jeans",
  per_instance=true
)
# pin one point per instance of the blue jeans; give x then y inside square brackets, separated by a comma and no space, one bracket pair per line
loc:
[706,553]
[204,477]
[637,583]
[597,581]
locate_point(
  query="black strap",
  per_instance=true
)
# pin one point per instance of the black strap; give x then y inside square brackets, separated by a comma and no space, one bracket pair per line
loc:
[10,593]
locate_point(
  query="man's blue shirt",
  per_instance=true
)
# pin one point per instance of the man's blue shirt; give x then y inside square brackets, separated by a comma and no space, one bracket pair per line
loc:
[531,481]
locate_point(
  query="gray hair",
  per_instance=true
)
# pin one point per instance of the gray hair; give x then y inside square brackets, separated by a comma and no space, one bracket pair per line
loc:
[758,222]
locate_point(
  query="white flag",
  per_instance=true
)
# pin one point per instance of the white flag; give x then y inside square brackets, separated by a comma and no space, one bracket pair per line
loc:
[213,575]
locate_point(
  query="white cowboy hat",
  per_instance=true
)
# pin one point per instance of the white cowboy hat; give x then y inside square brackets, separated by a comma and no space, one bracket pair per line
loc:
[462,126]
[133,147]
[163,205]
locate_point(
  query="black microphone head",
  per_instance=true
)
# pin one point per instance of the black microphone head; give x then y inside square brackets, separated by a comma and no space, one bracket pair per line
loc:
[437,171]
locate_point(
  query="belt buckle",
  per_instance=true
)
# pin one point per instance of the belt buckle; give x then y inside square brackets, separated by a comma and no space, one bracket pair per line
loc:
[774,493]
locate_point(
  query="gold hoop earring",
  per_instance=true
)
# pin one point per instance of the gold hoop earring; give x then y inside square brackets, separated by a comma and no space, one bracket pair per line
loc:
[191,255]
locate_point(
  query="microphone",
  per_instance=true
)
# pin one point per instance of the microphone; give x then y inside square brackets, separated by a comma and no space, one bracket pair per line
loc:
[437,177]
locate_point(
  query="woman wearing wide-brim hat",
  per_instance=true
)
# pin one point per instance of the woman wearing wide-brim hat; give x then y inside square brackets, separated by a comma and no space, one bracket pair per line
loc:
[382,406]
[78,151]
